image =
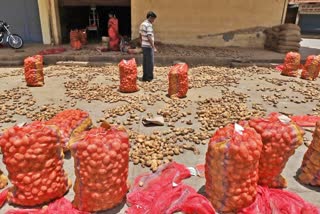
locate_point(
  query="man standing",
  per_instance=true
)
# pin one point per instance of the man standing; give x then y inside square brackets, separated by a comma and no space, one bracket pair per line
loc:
[148,48]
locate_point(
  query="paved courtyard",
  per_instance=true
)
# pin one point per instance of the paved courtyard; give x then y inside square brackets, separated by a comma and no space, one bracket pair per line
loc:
[239,93]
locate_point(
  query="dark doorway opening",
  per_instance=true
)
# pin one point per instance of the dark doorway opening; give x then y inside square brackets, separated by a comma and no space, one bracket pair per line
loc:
[77,17]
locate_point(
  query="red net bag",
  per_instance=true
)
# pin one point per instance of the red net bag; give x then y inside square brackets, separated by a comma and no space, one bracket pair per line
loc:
[128,76]
[280,138]
[75,39]
[291,64]
[164,192]
[272,201]
[231,167]
[310,168]
[33,70]
[61,205]
[34,160]
[305,120]
[311,68]
[101,166]
[70,122]
[83,36]
[178,80]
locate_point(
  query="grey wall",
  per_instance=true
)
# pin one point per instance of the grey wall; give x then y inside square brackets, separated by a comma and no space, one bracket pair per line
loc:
[23,18]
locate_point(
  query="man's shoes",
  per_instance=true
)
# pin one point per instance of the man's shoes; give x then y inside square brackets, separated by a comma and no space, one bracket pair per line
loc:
[146,80]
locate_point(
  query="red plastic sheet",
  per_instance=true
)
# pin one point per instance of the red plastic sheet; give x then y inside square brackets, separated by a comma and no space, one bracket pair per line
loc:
[305,120]
[3,197]
[52,51]
[270,201]
[163,192]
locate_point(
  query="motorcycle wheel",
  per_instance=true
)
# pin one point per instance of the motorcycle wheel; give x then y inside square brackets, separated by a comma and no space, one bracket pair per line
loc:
[15,41]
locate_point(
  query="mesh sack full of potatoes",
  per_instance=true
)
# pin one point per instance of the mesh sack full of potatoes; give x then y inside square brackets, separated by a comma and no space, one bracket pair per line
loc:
[311,68]
[34,159]
[178,80]
[280,137]
[310,168]
[70,122]
[231,167]
[101,158]
[291,64]
[33,70]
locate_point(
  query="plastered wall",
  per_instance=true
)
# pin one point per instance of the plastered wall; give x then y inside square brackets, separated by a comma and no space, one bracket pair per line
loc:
[183,21]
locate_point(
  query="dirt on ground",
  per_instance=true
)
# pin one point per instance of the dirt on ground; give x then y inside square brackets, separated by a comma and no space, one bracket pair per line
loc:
[217,96]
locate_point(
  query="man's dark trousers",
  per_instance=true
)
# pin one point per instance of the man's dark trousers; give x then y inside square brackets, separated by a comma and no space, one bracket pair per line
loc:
[148,63]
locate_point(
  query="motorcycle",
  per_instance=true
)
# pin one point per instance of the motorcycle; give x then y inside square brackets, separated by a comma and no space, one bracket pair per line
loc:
[14,40]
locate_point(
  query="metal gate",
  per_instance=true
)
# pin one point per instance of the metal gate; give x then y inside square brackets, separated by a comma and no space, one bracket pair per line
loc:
[310,23]
[23,18]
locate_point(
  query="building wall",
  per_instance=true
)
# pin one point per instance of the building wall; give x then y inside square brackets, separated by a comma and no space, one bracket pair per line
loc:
[23,18]
[183,21]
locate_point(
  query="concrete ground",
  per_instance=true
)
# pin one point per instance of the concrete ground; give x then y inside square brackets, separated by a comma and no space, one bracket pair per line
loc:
[166,55]
[264,87]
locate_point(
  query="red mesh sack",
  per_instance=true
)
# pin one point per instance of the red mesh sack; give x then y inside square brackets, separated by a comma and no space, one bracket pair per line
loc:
[271,201]
[83,36]
[101,166]
[75,39]
[310,168]
[305,120]
[70,122]
[61,205]
[231,167]
[291,64]
[33,70]
[128,76]
[34,160]
[164,192]
[311,68]
[280,138]
[178,80]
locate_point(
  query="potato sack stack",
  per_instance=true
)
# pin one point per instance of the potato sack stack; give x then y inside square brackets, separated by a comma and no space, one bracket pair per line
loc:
[231,168]
[34,160]
[280,138]
[310,168]
[101,159]
[33,70]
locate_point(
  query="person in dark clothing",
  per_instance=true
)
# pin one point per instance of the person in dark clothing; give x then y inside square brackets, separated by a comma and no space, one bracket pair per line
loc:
[148,47]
